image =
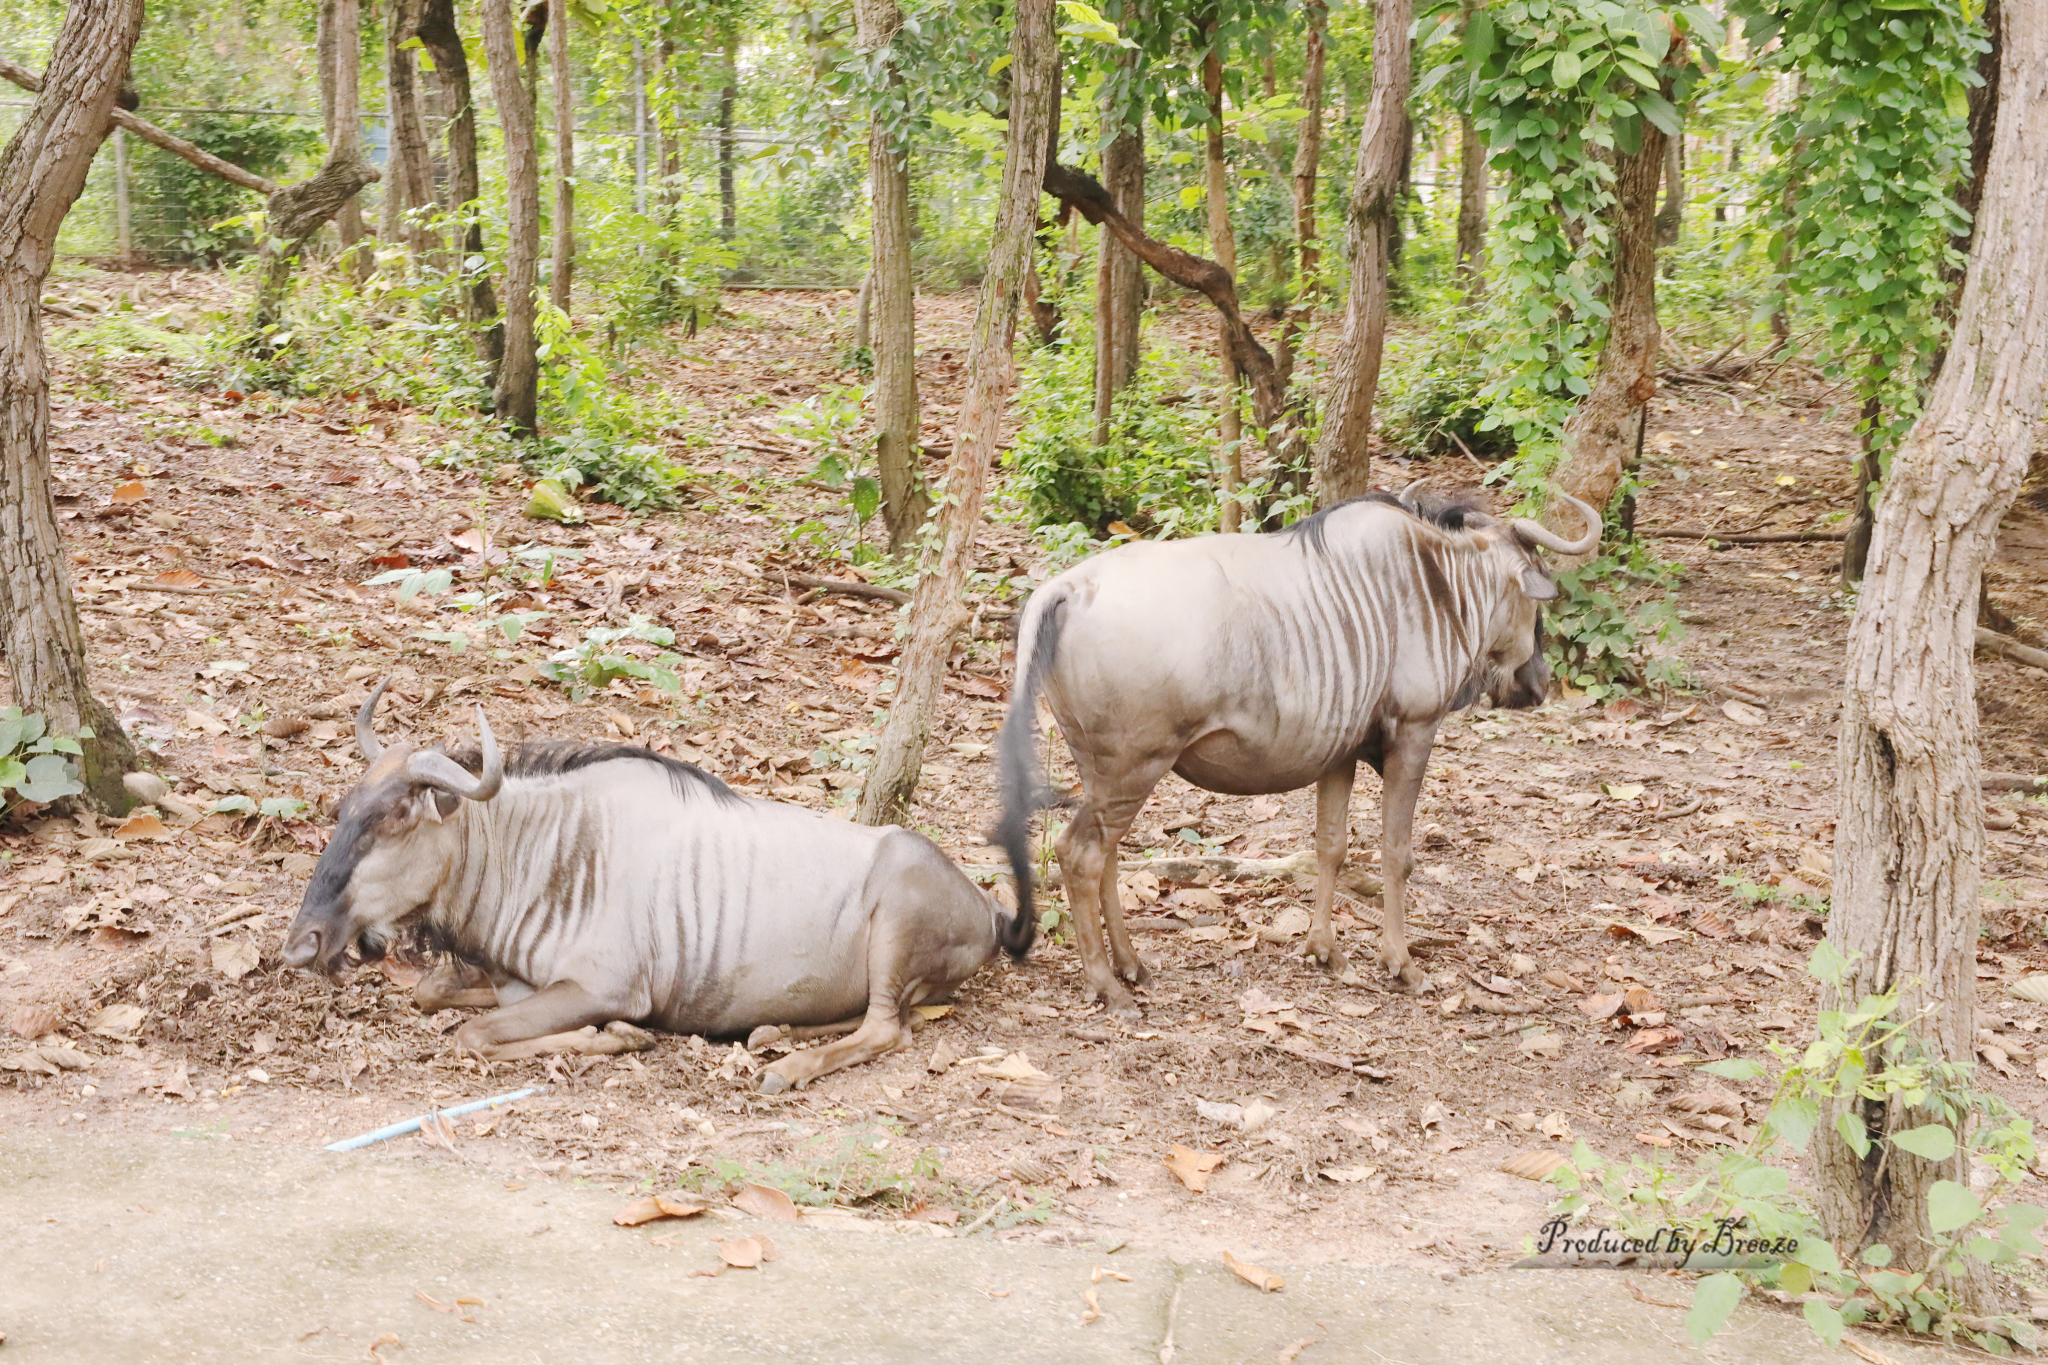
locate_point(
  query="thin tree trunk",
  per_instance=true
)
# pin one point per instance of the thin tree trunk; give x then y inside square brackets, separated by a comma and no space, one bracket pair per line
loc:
[1869,474]
[937,608]
[42,171]
[156,137]
[1308,160]
[728,109]
[299,211]
[1471,209]
[1909,842]
[1601,434]
[563,262]
[335,47]
[433,22]
[411,184]
[892,299]
[1671,218]
[516,396]
[1119,278]
[1343,455]
[1223,247]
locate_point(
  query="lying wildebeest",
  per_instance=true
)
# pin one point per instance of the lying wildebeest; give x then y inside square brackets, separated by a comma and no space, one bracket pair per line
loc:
[1265,663]
[598,885]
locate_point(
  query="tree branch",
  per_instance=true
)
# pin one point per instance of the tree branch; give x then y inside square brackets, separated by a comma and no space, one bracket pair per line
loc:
[150,133]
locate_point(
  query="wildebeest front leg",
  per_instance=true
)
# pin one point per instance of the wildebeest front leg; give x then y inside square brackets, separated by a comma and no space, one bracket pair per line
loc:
[455,985]
[1333,827]
[1407,760]
[1087,853]
[563,1017]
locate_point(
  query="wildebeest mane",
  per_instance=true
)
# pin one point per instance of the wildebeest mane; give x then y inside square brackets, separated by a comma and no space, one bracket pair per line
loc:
[1451,513]
[556,757]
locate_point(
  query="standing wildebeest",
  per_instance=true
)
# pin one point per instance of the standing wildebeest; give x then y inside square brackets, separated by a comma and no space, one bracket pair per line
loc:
[595,884]
[1265,663]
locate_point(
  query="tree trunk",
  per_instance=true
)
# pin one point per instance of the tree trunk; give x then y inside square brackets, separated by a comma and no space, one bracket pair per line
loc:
[411,176]
[728,108]
[563,262]
[1910,835]
[433,23]
[892,296]
[334,47]
[1601,434]
[937,611]
[1471,209]
[516,396]
[1119,278]
[1308,159]
[42,171]
[1045,314]
[1343,455]
[1869,474]
[298,211]
[1223,246]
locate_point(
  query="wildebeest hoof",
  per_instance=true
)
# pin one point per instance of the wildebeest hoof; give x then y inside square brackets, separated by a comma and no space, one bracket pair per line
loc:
[1137,973]
[635,1038]
[1330,958]
[764,1035]
[1410,977]
[771,1083]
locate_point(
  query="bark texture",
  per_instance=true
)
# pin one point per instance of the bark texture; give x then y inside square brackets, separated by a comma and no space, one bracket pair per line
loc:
[156,137]
[1471,209]
[1909,842]
[562,264]
[409,179]
[728,110]
[1343,454]
[298,211]
[1601,435]
[1223,245]
[42,170]
[892,296]
[1671,218]
[1119,278]
[937,610]
[433,23]
[516,396]
[1308,160]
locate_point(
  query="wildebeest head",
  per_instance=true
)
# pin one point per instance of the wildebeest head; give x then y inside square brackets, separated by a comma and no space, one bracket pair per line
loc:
[391,840]
[1511,671]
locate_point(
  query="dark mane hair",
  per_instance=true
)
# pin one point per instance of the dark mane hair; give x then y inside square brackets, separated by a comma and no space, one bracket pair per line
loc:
[1452,512]
[554,757]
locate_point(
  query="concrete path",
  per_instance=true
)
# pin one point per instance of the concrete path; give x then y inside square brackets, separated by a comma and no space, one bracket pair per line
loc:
[139,1250]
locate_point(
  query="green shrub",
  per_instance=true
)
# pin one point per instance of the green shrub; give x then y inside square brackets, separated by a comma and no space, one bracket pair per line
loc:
[34,765]
[1430,396]
[1609,614]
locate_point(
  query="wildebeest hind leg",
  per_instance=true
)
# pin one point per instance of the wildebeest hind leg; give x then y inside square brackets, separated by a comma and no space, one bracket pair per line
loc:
[563,1017]
[1407,759]
[1116,792]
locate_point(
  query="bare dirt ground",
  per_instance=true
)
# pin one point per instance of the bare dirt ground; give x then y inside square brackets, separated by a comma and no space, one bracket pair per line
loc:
[1569,852]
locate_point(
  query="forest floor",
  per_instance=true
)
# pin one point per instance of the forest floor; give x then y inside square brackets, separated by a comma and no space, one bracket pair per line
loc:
[1566,853]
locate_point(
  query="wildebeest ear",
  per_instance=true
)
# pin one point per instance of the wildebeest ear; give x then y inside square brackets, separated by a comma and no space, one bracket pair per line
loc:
[1536,585]
[436,805]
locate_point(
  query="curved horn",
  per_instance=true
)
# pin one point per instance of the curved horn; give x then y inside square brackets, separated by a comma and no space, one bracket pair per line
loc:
[366,729]
[435,769]
[1536,533]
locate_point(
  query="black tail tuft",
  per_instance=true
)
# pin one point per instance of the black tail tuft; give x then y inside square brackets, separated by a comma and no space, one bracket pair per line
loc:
[1017,762]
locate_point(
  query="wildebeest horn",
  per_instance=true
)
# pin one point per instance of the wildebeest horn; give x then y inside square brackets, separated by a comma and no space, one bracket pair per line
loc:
[366,729]
[433,768]
[1536,533]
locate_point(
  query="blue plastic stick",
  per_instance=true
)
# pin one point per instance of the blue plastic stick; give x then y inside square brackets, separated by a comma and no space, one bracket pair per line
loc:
[412,1125]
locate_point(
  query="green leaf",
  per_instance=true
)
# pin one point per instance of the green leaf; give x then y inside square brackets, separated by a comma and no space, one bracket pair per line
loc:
[1951,1206]
[230,805]
[1825,1319]
[1565,70]
[1854,1133]
[1479,39]
[1794,1278]
[1659,111]
[1827,963]
[47,777]
[1878,1254]
[282,807]
[867,498]
[1933,1141]
[1818,1253]
[1713,1299]
[1733,1069]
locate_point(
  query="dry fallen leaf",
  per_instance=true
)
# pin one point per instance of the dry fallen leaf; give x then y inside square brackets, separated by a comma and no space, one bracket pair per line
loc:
[235,958]
[1348,1175]
[763,1202]
[650,1207]
[1602,1006]
[116,1021]
[1015,1067]
[1255,1276]
[743,1253]
[1192,1168]
[142,825]
[1103,1272]
[1536,1165]
[178,578]
[1742,713]
[1094,1309]
[129,492]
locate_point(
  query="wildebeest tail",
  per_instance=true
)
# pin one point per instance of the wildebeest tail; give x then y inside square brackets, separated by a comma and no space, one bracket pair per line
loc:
[1038,638]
